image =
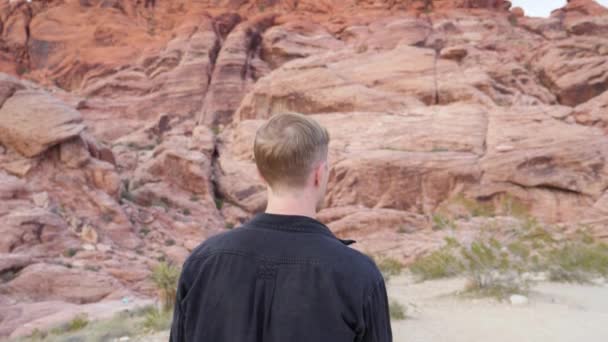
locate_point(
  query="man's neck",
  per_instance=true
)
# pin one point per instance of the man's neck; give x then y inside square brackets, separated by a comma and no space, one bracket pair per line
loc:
[291,204]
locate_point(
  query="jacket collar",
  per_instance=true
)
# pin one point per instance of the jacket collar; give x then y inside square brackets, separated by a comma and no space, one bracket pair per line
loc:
[294,223]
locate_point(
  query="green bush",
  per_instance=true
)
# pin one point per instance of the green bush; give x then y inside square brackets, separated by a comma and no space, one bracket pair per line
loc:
[219,203]
[397,310]
[389,267]
[165,277]
[519,249]
[476,208]
[70,252]
[491,272]
[439,264]
[512,206]
[441,222]
[157,320]
[77,323]
[144,231]
[577,262]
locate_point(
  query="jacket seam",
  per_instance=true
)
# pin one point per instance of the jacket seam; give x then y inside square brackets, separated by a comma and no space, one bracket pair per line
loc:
[276,260]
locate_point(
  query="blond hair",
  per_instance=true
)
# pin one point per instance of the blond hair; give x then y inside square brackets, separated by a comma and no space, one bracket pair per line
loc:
[288,147]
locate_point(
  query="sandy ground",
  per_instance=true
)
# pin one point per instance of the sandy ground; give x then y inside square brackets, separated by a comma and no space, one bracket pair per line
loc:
[555,313]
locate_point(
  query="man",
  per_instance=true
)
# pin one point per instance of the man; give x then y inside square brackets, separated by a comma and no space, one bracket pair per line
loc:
[283,276]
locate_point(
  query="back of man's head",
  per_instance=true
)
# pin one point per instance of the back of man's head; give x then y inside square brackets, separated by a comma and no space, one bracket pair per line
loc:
[287,148]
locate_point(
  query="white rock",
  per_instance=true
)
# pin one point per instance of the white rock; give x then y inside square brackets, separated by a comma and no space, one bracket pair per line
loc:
[103,248]
[88,247]
[504,148]
[518,300]
[41,199]
[124,338]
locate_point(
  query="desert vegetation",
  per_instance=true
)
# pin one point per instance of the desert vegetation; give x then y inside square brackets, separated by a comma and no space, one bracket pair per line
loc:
[530,254]
[129,323]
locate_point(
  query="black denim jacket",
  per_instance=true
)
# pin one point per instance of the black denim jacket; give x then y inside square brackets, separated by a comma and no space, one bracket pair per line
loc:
[280,278]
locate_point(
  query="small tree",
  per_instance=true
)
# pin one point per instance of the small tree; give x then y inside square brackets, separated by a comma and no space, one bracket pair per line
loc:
[165,277]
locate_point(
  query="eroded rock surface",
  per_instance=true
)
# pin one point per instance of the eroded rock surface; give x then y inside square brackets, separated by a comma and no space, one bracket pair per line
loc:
[126,133]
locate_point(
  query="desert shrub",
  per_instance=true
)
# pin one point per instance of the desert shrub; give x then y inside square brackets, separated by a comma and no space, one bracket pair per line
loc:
[402,230]
[70,252]
[499,285]
[488,268]
[77,323]
[577,262]
[441,222]
[490,271]
[127,323]
[397,310]
[498,271]
[164,203]
[165,277]
[511,206]
[476,208]
[439,264]
[157,320]
[144,231]
[389,267]
[519,249]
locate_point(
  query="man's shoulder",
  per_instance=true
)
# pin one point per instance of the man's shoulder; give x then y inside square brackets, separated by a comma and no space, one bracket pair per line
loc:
[214,243]
[356,264]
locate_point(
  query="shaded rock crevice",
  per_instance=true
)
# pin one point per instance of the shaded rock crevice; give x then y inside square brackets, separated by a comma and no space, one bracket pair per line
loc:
[550,187]
[235,65]
[222,26]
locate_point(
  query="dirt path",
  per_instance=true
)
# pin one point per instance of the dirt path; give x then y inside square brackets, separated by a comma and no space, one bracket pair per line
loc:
[556,313]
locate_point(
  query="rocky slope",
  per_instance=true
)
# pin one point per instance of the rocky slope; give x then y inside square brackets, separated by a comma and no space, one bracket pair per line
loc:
[126,132]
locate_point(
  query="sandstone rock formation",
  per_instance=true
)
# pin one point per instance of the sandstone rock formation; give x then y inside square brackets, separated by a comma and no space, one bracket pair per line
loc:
[126,132]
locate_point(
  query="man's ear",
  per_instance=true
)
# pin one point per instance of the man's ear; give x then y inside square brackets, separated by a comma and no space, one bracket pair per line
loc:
[318,174]
[260,177]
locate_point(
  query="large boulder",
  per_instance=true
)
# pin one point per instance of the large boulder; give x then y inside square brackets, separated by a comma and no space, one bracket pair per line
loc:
[576,69]
[35,231]
[557,167]
[56,282]
[31,121]
[593,112]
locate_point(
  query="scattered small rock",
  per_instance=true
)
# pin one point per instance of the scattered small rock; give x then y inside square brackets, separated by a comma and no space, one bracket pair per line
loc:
[518,300]
[454,53]
[41,199]
[103,248]
[89,234]
[88,247]
[504,148]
